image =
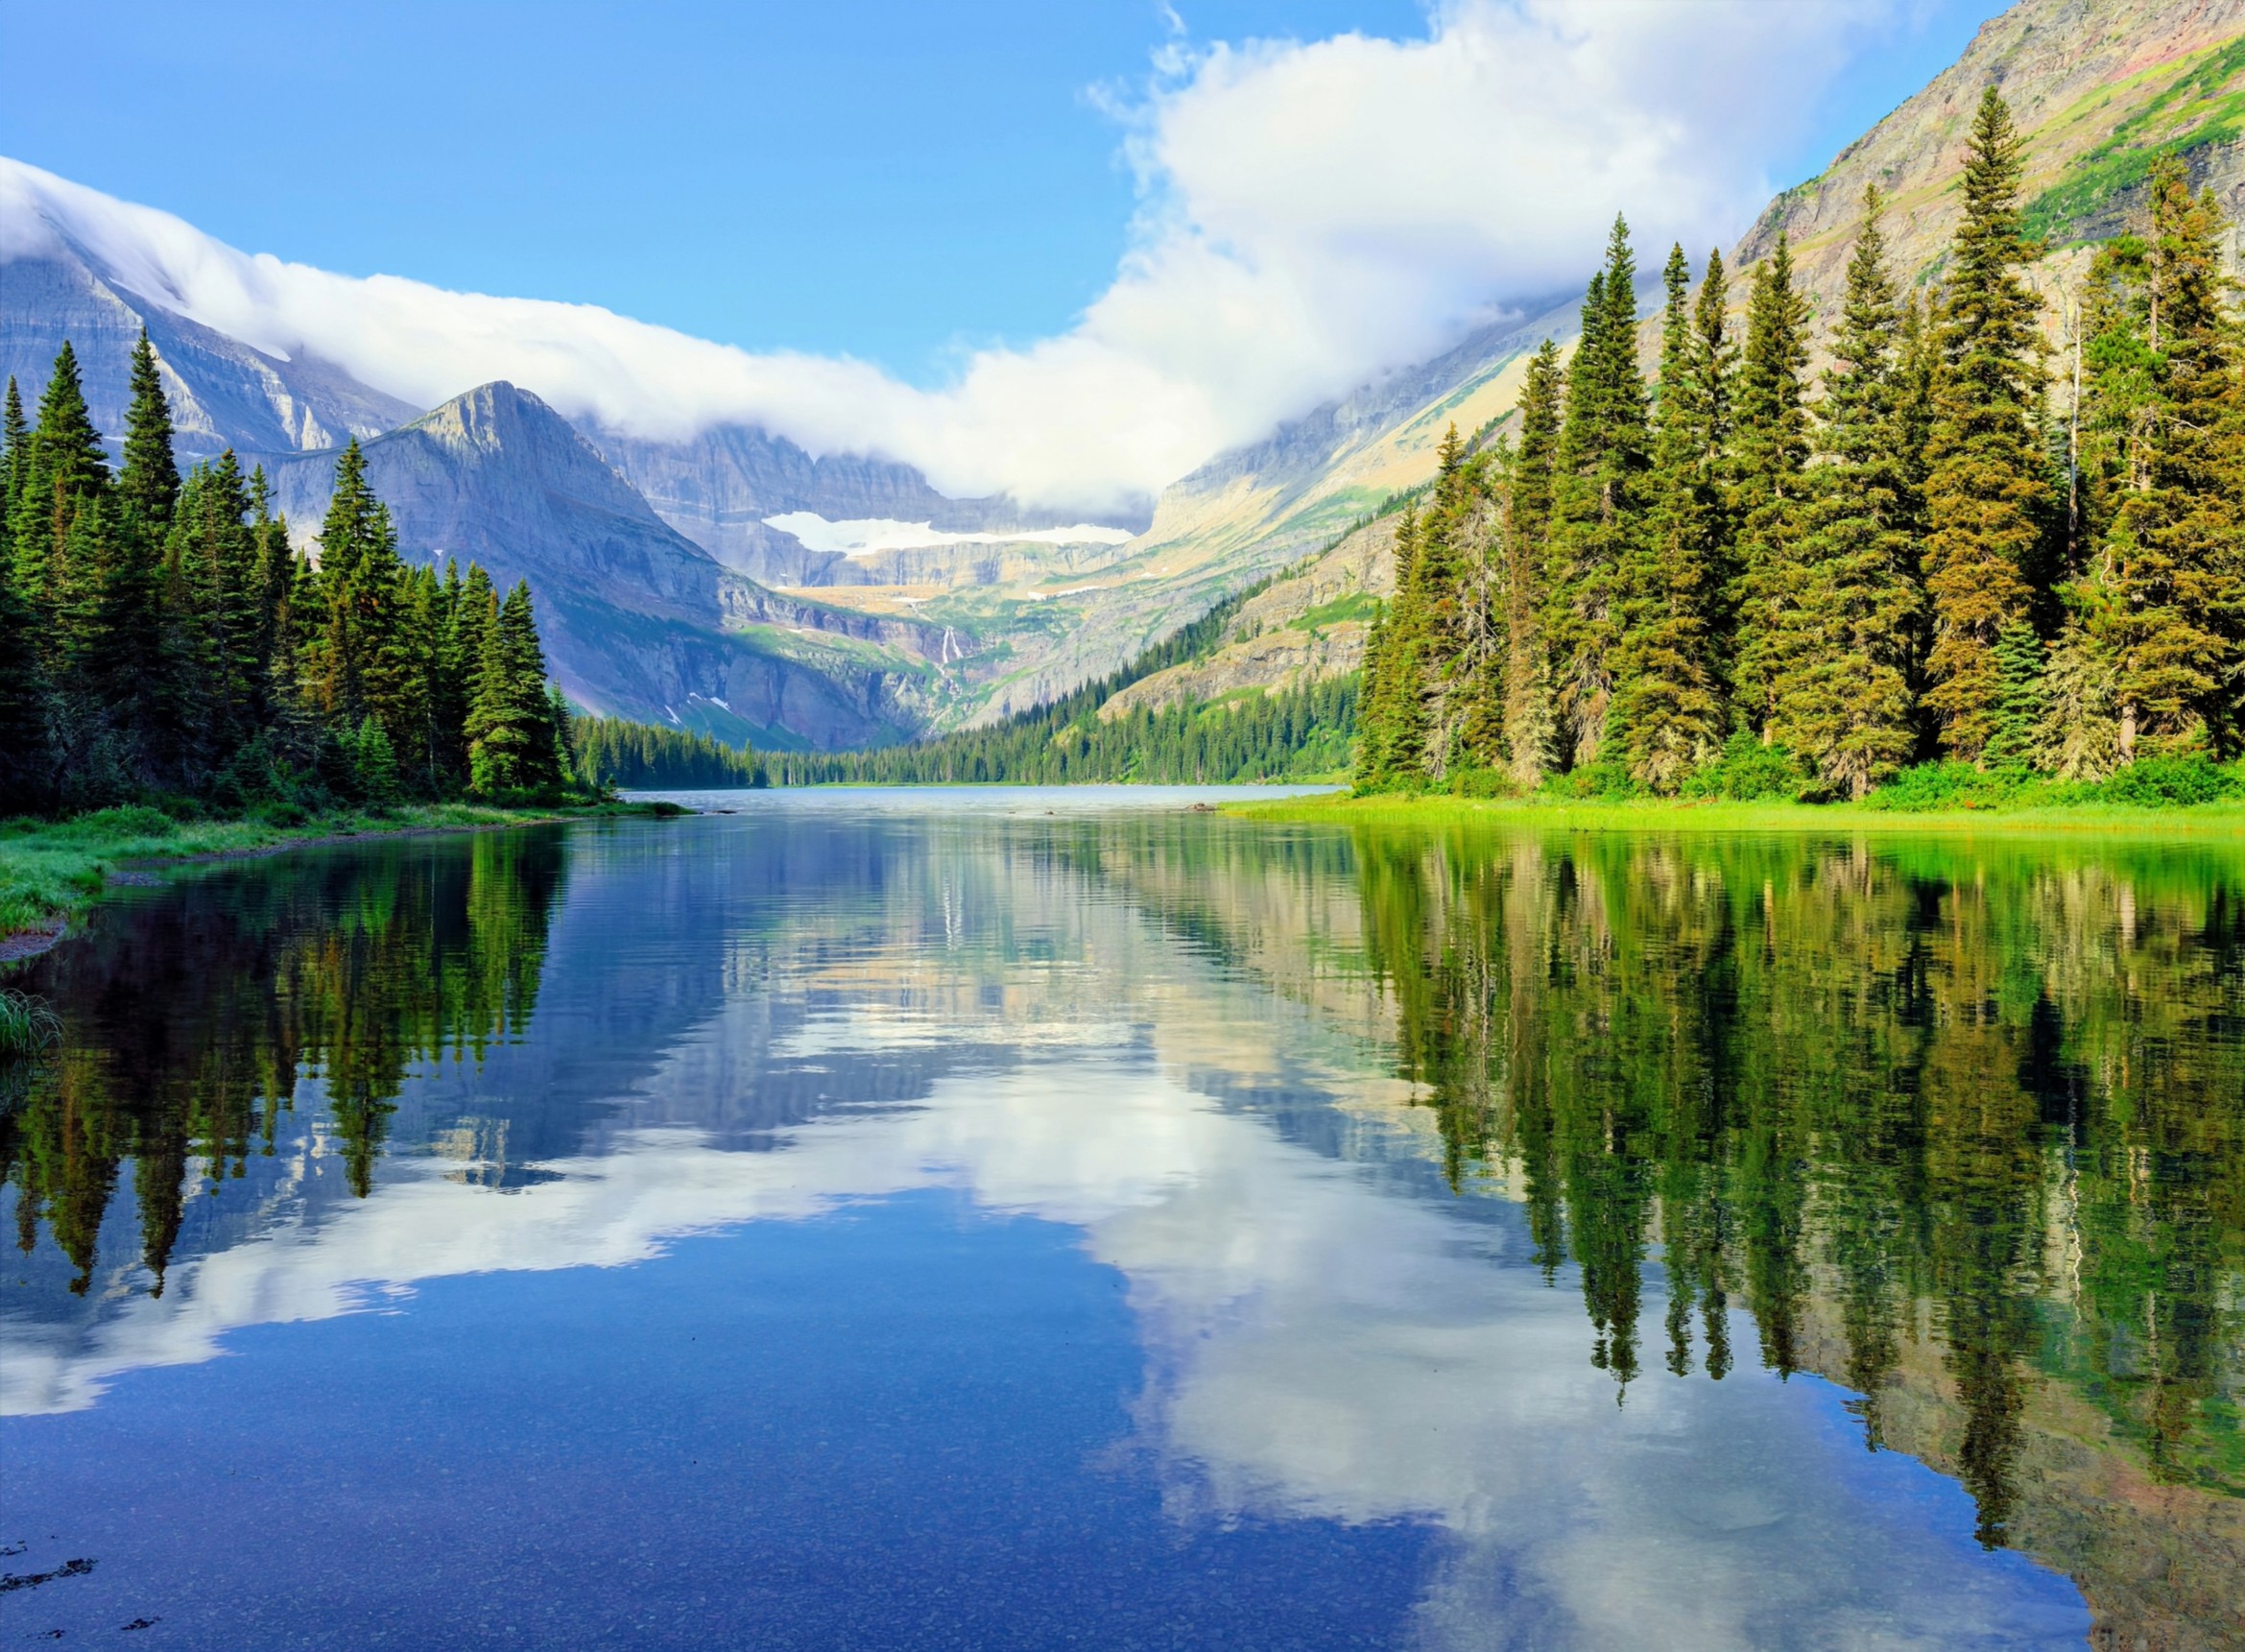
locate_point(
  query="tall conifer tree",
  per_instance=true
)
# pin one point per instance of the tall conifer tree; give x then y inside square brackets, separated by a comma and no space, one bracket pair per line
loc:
[150,481]
[64,465]
[1598,500]
[1672,707]
[1987,496]
[1772,448]
[1845,704]
[1530,728]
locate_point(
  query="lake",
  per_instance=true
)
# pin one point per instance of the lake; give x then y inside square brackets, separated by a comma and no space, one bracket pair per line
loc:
[1033,1219]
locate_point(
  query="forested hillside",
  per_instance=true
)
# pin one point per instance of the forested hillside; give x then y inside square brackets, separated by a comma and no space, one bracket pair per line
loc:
[1948,547]
[1295,734]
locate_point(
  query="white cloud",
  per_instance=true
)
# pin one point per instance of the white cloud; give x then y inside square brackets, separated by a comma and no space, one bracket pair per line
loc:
[1313,214]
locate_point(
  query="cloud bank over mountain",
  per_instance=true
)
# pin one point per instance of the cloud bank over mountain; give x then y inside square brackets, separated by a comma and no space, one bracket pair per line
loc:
[1311,214]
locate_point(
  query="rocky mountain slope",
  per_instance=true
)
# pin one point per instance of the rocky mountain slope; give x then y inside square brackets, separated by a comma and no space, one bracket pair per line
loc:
[222,392]
[639,620]
[2099,86]
[719,487]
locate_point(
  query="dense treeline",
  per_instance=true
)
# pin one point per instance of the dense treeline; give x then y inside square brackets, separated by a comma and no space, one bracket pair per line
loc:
[1253,736]
[160,639]
[1918,559]
[610,752]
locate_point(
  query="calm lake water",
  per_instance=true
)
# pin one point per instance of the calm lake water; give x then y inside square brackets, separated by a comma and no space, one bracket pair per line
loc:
[881,1220]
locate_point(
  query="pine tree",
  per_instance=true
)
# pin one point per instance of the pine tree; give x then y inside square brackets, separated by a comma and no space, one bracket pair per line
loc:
[1772,446]
[150,481]
[14,452]
[62,466]
[1845,704]
[2176,623]
[1530,729]
[106,616]
[274,577]
[1597,501]
[1987,498]
[26,762]
[1392,749]
[511,735]
[359,659]
[2022,701]
[1672,710]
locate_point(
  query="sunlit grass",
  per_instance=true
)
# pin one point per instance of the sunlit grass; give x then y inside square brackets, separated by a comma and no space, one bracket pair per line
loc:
[51,869]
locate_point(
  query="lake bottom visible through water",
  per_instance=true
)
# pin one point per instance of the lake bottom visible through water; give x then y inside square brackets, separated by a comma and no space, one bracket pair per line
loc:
[886,1219]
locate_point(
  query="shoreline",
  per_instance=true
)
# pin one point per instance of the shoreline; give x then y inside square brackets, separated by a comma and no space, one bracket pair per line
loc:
[2196,822]
[51,872]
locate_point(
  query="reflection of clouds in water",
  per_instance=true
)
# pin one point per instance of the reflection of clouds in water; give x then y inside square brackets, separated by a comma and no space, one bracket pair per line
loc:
[1316,1346]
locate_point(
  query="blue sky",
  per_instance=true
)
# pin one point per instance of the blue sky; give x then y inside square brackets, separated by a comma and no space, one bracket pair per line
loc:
[900,183]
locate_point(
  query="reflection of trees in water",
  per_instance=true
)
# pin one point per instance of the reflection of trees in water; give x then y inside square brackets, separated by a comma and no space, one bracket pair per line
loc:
[1995,1093]
[189,1021]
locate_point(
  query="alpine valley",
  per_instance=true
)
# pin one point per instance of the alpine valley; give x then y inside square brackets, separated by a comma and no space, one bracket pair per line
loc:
[733,584]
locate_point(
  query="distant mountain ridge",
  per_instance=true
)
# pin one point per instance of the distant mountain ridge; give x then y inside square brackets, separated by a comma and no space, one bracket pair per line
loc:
[639,620]
[224,394]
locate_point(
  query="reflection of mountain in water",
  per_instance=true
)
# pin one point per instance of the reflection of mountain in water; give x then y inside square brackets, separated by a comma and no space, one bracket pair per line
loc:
[1958,1128]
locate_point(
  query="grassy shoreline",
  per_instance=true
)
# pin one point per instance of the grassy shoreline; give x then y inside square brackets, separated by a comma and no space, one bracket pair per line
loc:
[51,870]
[2218,821]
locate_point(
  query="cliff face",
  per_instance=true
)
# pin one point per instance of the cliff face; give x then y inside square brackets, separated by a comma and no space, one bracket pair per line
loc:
[222,392]
[1305,628]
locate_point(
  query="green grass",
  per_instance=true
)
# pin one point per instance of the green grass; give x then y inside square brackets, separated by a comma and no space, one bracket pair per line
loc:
[50,871]
[2217,820]
[1354,605]
[28,1025]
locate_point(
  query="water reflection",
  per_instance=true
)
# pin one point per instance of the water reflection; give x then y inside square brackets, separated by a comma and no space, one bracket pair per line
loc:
[1520,1190]
[193,1019]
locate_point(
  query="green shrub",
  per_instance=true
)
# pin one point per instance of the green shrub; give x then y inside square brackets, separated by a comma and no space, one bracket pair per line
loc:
[134,820]
[2170,783]
[1748,770]
[1605,780]
[1953,786]
[1479,783]
[285,813]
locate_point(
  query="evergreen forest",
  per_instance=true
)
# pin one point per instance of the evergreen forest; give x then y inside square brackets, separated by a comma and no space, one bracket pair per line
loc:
[1960,545]
[162,641]
[613,752]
